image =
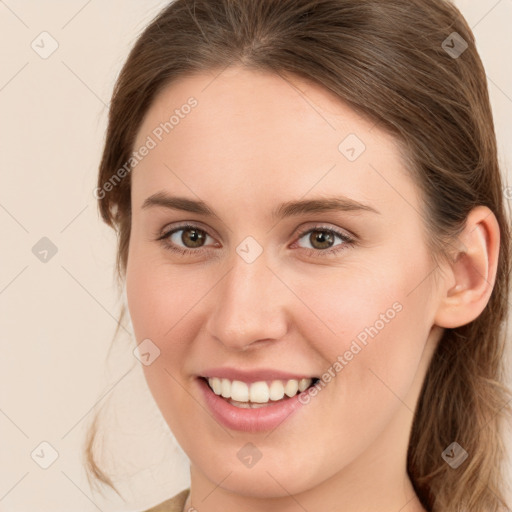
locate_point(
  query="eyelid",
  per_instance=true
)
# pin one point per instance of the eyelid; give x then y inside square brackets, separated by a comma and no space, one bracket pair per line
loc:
[343,233]
[175,226]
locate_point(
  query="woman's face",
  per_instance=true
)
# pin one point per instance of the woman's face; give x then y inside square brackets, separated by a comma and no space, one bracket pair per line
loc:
[268,292]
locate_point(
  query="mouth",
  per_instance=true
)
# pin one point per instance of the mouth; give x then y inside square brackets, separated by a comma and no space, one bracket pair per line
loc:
[255,400]
[254,395]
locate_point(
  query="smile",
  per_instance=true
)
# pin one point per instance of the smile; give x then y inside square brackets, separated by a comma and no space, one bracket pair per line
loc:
[253,406]
[257,394]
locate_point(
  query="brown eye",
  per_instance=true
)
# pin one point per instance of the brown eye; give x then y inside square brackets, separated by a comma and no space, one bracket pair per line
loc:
[192,237]
[185,239]
[321,239]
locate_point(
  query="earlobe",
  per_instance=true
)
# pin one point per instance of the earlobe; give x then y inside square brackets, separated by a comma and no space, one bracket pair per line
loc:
[472,272]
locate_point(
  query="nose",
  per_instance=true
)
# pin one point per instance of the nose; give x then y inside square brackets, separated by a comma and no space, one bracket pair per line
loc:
[250,306]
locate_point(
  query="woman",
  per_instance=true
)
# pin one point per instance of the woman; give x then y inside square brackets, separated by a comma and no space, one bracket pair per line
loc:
[315,249]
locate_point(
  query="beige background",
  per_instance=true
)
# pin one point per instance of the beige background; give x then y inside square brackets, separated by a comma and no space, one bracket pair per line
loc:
[58,317]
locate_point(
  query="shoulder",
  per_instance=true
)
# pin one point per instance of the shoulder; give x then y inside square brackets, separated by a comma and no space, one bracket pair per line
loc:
[175,504]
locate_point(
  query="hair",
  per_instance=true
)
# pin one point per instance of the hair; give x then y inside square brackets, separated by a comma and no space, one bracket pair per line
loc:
[386,60]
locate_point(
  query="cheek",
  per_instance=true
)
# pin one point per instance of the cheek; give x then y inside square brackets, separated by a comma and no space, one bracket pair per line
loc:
[165,303]
[159,294]
[160,300]
[372,346]
[370,324]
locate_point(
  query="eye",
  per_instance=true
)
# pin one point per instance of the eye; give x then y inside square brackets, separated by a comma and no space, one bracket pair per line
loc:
[191,236]
[189,239]
[322,240]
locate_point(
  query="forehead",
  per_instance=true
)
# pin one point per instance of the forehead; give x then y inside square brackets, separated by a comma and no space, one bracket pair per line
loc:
[254,135]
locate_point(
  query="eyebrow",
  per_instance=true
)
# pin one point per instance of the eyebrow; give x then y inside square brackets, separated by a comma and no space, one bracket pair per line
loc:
[287,209]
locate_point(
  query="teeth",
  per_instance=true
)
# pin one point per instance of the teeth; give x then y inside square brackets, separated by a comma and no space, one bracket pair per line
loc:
[304,384]
[239,391]
[216,384]
[225,388]
[276,391]
[260,392]
[291,387]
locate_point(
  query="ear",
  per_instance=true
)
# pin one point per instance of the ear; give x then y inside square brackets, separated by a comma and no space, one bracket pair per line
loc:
[471,274]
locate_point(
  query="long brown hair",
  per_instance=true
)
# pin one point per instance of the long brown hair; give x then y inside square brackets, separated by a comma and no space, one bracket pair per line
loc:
[390,60]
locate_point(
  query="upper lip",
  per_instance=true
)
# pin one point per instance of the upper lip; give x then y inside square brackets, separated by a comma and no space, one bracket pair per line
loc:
[254,375]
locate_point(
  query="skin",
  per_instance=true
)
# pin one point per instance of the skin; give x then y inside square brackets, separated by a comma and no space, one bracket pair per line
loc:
[254,141]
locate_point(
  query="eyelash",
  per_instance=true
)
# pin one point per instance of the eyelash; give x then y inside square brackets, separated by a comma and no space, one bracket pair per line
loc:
[348,241]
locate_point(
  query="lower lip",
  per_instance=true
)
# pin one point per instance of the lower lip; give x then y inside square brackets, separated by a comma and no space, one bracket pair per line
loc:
[264,418]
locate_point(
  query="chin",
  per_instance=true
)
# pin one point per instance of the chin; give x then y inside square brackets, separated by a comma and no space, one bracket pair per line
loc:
[267,479]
